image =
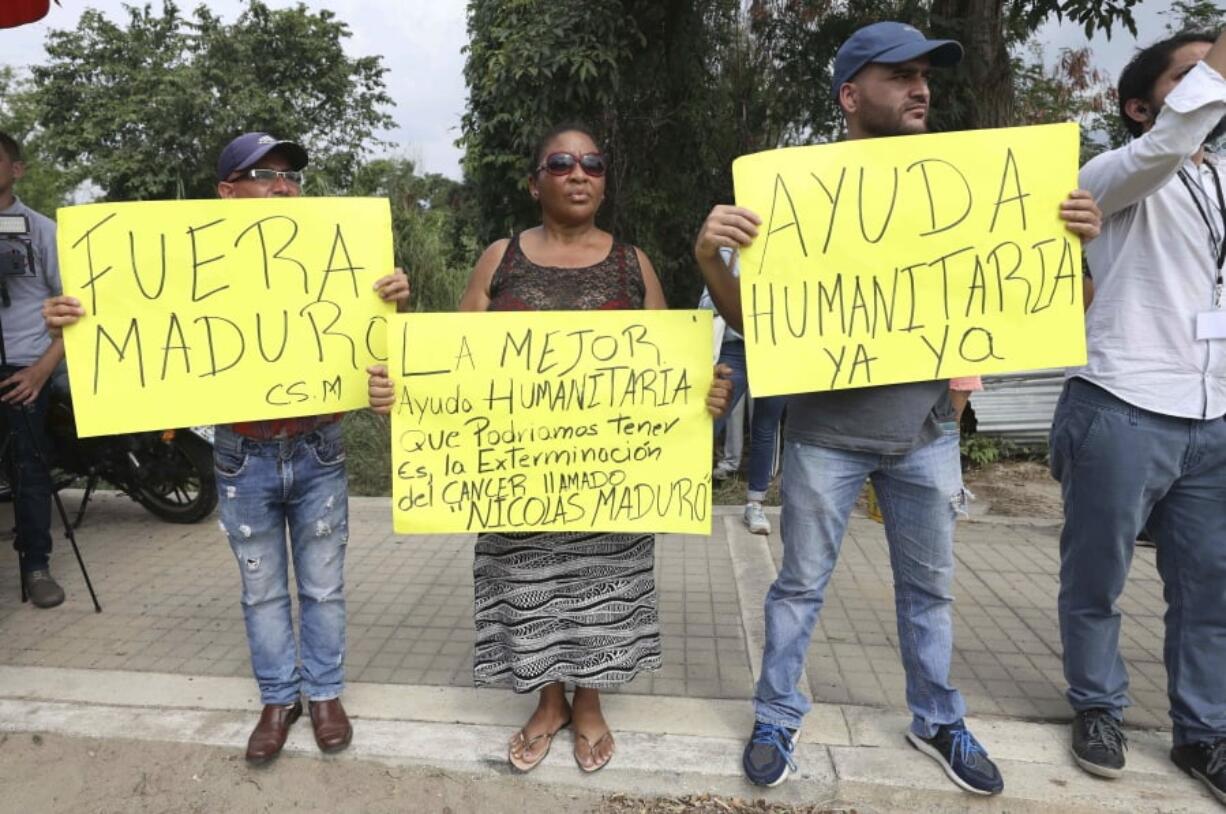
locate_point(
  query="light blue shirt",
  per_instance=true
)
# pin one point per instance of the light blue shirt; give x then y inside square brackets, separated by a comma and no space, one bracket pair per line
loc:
[25,334]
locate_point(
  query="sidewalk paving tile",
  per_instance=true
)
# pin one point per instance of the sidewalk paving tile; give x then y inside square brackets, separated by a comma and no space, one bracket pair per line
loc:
[170,595]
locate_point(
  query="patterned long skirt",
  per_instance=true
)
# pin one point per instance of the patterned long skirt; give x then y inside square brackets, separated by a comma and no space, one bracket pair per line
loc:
[579,608]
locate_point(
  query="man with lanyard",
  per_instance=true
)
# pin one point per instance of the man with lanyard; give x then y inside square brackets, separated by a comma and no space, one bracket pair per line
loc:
[277,474]
[1139,433]
[30,358]
[902,436]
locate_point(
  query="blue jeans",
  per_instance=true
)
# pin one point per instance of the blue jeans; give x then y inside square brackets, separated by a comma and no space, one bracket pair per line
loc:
[1122,468]
[763,422]
[265,487]
[30,478]
[920,494]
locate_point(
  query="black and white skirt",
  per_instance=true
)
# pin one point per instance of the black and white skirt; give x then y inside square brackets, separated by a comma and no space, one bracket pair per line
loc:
[578,608]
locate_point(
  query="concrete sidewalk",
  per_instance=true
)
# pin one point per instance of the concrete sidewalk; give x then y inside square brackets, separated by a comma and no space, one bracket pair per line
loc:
[167,660]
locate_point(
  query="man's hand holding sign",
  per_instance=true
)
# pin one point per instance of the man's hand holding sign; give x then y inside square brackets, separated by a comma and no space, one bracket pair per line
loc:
[871,272]
[903,259]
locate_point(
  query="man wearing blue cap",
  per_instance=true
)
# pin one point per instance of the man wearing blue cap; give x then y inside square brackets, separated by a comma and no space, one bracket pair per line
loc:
[278,474]
[903,436]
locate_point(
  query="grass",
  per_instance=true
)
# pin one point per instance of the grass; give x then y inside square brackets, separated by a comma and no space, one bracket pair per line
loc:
[731,492]
[368,445]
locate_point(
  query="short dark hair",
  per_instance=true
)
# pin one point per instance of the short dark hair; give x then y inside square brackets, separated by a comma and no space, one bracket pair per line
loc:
[10,146]
[542,143]
[1139,76]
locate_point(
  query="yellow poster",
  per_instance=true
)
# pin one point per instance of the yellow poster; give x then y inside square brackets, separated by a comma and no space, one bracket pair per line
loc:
[551,421]
[206,312]
[910,258]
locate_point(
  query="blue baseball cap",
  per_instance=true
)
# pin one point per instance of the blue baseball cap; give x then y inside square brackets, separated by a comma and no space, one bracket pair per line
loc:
[249,148]
[890,43]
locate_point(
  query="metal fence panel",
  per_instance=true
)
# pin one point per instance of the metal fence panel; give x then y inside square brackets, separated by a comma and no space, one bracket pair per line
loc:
[1018,406]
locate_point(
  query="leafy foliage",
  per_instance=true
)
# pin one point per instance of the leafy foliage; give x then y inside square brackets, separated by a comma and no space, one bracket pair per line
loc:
[1071,89]
[44,186]
[431,235]
[1194,15]
[648,76]
[677,90]
[141,107]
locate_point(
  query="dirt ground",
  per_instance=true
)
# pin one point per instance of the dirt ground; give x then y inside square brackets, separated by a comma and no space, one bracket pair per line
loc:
[1005,488]
[1015,489]
[54,773]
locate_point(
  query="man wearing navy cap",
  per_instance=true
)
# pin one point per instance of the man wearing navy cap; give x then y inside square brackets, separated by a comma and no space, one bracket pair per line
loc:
[902,436]
[277,474]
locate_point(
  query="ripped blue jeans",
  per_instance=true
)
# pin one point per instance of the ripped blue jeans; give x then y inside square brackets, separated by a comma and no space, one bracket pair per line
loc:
[265,487]
[920,494]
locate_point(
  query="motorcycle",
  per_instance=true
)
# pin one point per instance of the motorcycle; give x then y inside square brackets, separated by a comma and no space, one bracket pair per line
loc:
[169,473]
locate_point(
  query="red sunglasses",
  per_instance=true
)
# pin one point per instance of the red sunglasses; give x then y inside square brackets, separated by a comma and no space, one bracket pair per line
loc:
[594,164]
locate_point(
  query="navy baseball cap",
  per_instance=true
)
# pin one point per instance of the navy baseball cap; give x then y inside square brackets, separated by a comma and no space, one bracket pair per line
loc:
[890,43]
[249,148]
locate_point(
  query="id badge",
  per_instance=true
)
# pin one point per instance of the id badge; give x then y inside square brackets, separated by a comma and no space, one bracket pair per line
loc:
[1211,325]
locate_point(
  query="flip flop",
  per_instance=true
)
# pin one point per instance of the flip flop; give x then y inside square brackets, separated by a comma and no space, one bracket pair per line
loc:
[524,766]
[591,750]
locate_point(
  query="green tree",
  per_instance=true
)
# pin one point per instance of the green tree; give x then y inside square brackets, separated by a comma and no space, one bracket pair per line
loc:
[648,76]
[1194,15]
[980,93]
[1070,89]
[45,185]
[142,107]
[432,236]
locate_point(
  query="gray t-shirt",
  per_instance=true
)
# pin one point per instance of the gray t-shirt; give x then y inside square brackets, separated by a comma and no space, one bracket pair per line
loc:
[892,419]
[25,334]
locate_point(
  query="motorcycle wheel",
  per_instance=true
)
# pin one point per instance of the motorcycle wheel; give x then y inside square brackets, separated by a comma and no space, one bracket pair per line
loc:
[187,491]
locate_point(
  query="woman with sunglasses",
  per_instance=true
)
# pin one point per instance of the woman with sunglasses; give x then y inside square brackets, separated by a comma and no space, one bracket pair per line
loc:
[591,617]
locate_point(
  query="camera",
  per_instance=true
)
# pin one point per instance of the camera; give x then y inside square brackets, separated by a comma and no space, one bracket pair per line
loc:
[16,252]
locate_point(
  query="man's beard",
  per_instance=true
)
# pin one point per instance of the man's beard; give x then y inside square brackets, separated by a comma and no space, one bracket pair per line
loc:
[883,123]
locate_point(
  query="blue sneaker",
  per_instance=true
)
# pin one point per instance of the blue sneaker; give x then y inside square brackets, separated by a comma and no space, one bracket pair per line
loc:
[962,758]
[768,755]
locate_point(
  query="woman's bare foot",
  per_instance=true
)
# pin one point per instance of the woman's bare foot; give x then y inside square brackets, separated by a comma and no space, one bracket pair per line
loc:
[593,740]
[530,745]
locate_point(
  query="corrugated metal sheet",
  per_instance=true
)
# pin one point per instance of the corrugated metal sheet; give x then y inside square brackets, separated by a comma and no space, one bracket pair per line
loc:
[1018,406]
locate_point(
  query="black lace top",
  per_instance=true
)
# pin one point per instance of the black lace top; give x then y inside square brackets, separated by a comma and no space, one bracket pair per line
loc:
[616,282]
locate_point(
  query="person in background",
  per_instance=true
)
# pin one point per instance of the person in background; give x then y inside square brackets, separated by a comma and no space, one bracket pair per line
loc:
[764,418]
[31,355]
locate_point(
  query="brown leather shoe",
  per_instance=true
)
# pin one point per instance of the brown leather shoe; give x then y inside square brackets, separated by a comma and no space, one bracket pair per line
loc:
[332,728]
[268,737]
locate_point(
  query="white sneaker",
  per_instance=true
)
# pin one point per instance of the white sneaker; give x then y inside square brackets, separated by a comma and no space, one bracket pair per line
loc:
[722,472]
[755,519]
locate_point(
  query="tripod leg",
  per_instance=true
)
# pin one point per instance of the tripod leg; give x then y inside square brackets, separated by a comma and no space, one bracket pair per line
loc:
[59,505]
[6,450]
[90,484]
[72,538]
[21,576]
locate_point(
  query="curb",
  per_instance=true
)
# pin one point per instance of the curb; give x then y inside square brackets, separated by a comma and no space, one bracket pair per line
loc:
[666,746]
